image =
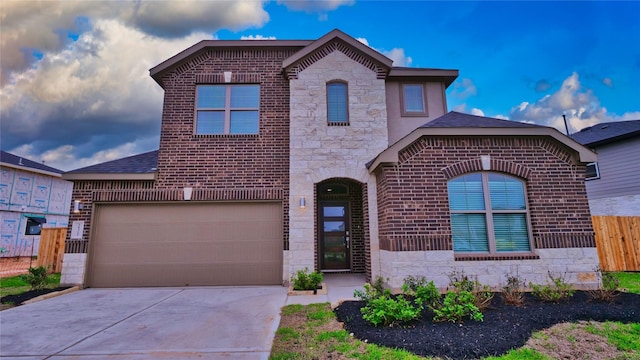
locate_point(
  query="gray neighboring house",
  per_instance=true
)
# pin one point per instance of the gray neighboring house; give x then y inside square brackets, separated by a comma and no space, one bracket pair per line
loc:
[32,196]
[612,182]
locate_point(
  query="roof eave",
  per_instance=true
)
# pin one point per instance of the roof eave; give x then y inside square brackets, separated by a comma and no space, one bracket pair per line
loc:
[108,176]
[30,169]
[390,155]
[448,76]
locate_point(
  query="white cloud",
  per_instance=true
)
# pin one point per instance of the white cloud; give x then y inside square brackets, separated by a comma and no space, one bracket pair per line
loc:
[257,37]
[44,25]
[581,107]
[608,82]
[395,54]
[463,89]
[314,5]
[477,112]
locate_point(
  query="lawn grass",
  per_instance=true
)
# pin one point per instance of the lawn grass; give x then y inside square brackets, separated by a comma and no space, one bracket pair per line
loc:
[629,281]
[16,285]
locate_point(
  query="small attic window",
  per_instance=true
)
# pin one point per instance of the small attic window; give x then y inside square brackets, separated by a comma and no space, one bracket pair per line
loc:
[34,225]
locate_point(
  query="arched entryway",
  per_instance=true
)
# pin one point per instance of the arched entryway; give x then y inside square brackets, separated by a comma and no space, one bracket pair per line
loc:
[341,233]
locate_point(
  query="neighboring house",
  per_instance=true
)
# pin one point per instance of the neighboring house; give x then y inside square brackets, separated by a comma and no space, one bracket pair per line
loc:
[32,196]
[612,181]
[279,155]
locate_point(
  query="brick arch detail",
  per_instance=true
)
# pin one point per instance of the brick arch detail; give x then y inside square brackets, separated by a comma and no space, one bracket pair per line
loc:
[475,165]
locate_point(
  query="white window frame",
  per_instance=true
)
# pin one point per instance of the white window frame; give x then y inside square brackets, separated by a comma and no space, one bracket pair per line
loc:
[488,213]
[227,109]
[597,168]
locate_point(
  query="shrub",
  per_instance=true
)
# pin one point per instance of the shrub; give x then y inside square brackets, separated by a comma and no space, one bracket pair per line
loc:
[482,294]
[425,293]
[371,291]
[389,310]
[303,280]
[556,290]
[456,306]
[513,292]
[37,277]
[609,289]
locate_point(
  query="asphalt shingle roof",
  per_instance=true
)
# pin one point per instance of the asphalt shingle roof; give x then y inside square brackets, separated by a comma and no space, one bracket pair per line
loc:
[455,119]
[608,132]
[11,159]
[136,164]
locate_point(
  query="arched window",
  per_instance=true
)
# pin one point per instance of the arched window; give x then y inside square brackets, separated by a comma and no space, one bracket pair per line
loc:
[337,103]
[489,214]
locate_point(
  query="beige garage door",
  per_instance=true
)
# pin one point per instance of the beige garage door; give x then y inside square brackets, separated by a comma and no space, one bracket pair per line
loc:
[186,244]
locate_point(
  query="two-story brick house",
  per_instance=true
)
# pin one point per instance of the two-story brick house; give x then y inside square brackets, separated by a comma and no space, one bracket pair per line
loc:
[277,155]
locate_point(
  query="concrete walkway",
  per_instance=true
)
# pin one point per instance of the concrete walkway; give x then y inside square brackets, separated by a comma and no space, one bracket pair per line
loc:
[151,323]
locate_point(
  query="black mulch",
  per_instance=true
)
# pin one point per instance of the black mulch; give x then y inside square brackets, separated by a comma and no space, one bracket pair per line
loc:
[18,299]
[504,327]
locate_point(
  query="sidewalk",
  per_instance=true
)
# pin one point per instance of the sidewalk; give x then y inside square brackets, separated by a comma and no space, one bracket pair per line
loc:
[339,287]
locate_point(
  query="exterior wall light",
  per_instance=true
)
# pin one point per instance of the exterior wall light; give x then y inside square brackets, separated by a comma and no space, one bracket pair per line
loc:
[303,202]
[77,206]
[187,193]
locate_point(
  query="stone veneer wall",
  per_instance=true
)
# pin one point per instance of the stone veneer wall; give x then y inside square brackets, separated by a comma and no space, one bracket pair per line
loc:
[414,218]
[319,151]
[626,205]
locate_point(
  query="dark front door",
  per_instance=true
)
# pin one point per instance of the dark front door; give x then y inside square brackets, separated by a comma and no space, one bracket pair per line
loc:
[335,251]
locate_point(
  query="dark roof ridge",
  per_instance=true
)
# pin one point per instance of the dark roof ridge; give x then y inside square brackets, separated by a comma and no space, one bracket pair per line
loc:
[20,161]
[140,163]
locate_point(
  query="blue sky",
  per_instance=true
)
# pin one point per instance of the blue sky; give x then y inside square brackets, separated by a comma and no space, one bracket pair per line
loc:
[75,88]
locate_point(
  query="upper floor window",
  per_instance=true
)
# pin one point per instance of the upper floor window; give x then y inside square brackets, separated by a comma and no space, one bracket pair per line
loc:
[488,214]
[337,103]
[413,100]
[227,109]
[593,172]
[34,225]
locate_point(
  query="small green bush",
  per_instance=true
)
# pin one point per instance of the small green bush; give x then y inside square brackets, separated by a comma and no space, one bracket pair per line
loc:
[554,291]
[482,294]
[609,289]
[371,291]
[37,277]
[425,293]
[457,306]
[388,310]
[513,292]
[303,280]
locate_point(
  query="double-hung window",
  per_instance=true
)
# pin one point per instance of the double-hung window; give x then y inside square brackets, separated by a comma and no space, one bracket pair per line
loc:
[488,214]
[337,103]
[413,100]
[227,109]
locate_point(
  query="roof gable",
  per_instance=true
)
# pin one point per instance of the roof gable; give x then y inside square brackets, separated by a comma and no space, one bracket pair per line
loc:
[18,162]
[332,41]
[459,124]
[605,133]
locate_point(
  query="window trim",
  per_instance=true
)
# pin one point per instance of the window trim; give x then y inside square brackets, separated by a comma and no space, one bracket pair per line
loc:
[596,167]
[488,212]
[403,105]
[346,85]
[227,110]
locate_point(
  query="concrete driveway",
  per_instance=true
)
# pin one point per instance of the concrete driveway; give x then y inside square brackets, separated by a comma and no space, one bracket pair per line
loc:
[145,323]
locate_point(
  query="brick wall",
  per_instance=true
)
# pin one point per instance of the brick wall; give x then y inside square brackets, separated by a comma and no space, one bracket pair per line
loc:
[413,202]
[413,208]
[227,161]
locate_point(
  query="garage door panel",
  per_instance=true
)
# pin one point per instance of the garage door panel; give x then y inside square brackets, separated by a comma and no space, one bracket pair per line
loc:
[186,244]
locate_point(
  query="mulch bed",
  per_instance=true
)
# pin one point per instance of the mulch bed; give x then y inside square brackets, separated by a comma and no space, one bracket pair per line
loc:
[505,327]
[18,299]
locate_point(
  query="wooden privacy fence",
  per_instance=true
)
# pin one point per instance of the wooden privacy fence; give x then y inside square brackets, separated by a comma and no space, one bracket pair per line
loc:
[51,249]
[618,242]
